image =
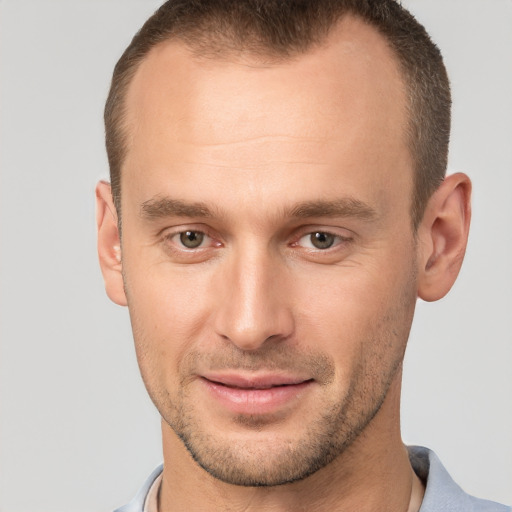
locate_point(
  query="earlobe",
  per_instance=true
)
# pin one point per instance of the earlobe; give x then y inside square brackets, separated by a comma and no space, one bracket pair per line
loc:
[442,237]
[109,244]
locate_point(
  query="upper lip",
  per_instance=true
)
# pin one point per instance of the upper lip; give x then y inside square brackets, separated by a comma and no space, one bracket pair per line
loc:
[261,381]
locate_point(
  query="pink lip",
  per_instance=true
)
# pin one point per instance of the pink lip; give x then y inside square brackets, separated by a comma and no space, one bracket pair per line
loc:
[255,394]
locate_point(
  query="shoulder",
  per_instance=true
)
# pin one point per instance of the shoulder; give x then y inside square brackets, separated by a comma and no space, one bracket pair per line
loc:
[137,503]
[442,494]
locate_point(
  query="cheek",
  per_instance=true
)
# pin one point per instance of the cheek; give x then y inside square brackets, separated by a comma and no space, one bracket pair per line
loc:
[168,317]
[165,298]
[357,314]
[340,300]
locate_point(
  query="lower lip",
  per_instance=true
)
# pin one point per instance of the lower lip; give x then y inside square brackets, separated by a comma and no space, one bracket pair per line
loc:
[256,401]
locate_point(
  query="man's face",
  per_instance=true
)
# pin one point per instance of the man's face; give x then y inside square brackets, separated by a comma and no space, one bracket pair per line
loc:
[267,250]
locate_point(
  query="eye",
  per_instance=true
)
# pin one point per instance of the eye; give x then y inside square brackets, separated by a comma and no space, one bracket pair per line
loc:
[191,239]
[322,240]
[319,240]
[184,244]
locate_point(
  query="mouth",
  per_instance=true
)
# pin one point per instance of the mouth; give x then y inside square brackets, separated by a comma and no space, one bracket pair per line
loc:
[257,394]
[255,382]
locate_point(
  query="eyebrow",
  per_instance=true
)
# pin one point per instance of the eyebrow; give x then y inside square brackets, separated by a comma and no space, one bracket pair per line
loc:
[163,207]
[166,207]
[344,207]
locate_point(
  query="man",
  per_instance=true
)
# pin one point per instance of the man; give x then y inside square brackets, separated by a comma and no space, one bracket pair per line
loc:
[278,201]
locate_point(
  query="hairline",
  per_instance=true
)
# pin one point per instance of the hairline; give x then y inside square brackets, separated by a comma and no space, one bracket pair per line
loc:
[264,51]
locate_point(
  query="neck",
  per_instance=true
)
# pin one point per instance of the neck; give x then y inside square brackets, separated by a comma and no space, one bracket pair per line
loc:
[372,474]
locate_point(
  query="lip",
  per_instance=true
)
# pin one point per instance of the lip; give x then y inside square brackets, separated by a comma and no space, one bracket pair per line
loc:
[255,394]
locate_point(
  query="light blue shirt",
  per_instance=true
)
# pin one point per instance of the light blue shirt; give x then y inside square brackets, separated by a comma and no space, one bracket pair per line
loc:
[442,494]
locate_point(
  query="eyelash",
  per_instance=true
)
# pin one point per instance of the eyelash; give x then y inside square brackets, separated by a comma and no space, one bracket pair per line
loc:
[338,240]
[171,239]
[168,238]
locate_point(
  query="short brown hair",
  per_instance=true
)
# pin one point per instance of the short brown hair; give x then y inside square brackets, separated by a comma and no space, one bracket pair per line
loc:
[282,28]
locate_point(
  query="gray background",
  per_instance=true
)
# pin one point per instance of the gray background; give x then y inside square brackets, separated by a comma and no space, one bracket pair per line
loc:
[77,432]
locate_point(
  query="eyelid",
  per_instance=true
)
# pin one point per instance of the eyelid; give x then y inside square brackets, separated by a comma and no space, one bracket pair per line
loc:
[338,240]
[169,234]
[345,236]
[213,240]
[176,238]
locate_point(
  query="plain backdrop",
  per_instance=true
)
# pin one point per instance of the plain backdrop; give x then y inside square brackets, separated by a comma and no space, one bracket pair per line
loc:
[77,432]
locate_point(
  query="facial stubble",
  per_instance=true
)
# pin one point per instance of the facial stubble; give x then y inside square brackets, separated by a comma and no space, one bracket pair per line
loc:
[264,460]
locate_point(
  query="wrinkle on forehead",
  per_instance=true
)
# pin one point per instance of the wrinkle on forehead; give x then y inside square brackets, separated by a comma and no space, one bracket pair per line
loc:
[334,117]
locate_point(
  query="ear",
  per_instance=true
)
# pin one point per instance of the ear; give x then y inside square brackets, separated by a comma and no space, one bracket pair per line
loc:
[442,237]
[109,244]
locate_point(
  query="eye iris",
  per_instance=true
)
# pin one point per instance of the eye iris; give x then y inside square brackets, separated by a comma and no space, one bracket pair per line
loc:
[191,239]
[322,240]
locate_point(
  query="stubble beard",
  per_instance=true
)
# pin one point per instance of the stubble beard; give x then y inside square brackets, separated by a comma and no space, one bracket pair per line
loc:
[261,462]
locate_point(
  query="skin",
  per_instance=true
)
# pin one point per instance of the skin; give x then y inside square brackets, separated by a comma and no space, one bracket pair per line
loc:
[277,151]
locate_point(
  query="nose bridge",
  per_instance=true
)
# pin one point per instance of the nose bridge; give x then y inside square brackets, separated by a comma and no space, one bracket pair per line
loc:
[254,308]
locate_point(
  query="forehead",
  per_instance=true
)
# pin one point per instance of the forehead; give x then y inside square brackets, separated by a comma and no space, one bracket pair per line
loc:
[341,104]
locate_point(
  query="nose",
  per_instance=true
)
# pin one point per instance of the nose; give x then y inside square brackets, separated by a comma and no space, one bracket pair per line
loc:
[253,306]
